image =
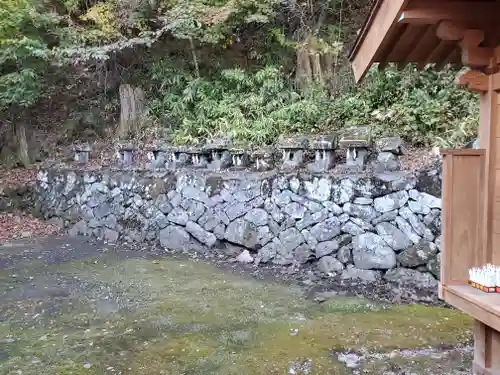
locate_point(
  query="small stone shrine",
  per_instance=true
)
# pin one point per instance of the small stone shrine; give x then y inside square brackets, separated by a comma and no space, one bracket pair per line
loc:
[293,149]
[218,150]
[323,147]
[82,153]
[356,141]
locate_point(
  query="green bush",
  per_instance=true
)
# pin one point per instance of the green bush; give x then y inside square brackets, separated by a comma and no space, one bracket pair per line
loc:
[424,107]
[254,108]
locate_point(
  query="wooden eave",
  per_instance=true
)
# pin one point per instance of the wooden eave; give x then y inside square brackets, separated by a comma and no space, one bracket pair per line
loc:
[423,32]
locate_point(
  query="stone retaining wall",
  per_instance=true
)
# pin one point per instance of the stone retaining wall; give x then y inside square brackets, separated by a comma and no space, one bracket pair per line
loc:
[383,225]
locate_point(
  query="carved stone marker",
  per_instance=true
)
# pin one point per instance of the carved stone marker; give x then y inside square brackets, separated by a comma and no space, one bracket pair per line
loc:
[82,153]
[356,140]
[218,149]
[293,149]
[324,152]
[125,154]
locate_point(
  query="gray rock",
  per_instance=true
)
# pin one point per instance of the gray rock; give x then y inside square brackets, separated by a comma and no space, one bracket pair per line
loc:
[294,184]
[394,237]
[191,192]
[425,199]
[80,228]
[269,251]
[163,204]
[366,213]
[111,235]
[407,229]
[295,210]
[329,265]
[437,241]
[319,189]
[257,216]
[174,237]
[434,266]
[386,216]
[363,201]
[417,255]
[326,230]
[308,237]
[311,219]
[370,251]
[244,257]
[326,248]
[366,226]
[237,210]
[360,275]
[194,209]
[101,211]
[303,254]
[282,199]
[178,216]
[416,224]
[391,201]
[343,192]
[201,234]
[333,208]
[159,220]
[291,238]
[352,229]
[344,255]
[242,232]
[411,278]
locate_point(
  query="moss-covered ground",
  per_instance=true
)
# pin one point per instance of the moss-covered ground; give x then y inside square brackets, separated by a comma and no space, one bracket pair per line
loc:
[106,314]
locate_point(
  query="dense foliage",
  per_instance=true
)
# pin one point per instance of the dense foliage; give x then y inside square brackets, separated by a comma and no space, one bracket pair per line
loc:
[426,108]
[252,68]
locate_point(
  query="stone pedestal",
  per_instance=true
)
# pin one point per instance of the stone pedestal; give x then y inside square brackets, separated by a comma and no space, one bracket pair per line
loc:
[389,149]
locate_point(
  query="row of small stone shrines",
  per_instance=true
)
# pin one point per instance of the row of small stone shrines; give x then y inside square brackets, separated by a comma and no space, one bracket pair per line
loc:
[316,153]
[340,224]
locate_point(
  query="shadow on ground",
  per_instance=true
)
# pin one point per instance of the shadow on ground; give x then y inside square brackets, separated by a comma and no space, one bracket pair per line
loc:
[69,307]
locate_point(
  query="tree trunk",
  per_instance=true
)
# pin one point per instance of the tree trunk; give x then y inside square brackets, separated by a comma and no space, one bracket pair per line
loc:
[304,74]
[316,65]
[329,69]
[195,58]
[132,102]
[22,144]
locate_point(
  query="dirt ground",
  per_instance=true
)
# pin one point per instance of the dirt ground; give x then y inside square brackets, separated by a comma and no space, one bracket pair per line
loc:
[68,306]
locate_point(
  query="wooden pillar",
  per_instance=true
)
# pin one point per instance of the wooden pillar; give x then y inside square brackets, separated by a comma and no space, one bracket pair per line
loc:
[486,350]
[488,141]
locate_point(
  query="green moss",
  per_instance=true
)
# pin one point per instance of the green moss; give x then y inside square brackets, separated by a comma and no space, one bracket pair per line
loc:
[182,317]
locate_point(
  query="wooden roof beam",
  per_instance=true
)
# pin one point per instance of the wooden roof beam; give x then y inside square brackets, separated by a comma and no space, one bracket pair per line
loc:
[384,20]
[432,11]
[469,40]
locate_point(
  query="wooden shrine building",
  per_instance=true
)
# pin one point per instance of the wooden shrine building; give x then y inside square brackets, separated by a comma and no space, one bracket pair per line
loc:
[465,33]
